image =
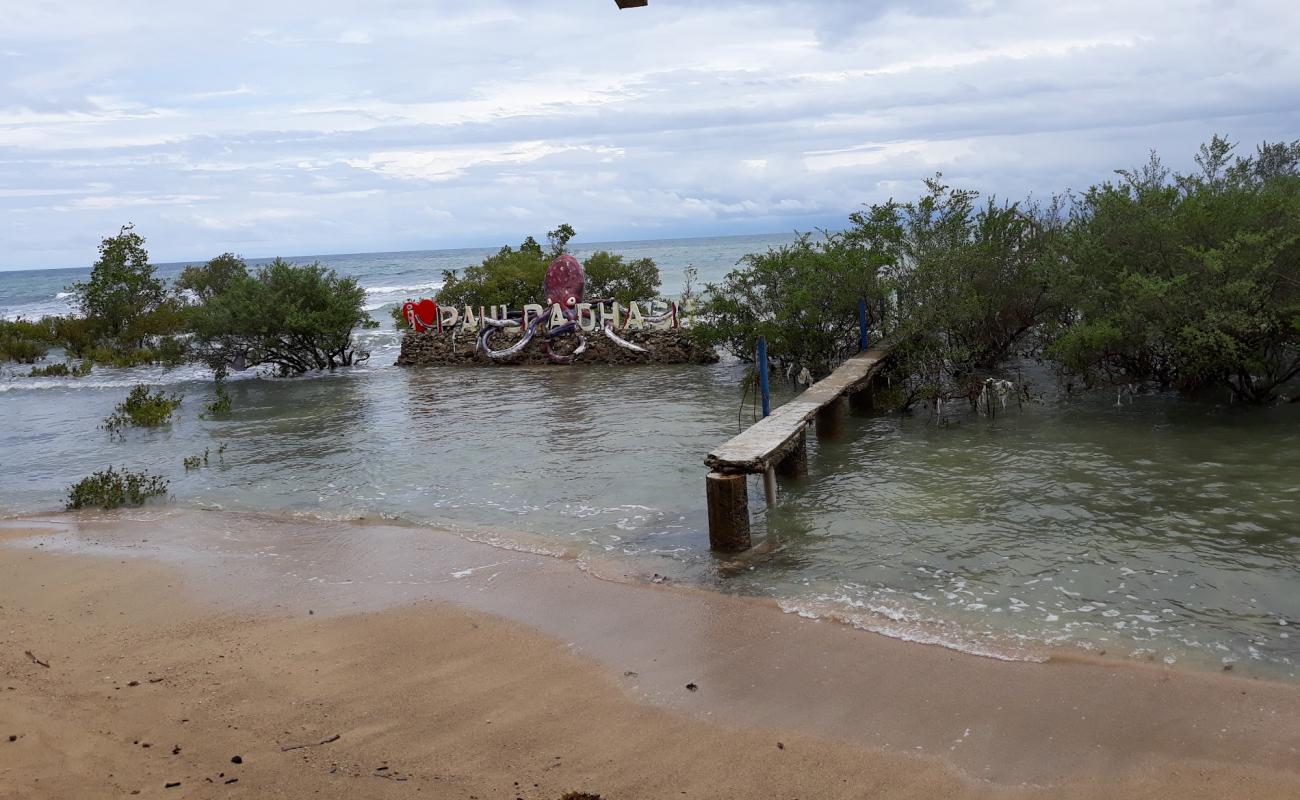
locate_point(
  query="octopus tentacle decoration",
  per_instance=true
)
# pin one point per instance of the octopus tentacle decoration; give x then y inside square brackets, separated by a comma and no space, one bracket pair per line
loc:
[486,335]
[621,342]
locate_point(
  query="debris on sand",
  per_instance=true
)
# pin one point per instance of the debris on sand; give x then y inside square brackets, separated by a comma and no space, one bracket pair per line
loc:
[36,660]
[326,740]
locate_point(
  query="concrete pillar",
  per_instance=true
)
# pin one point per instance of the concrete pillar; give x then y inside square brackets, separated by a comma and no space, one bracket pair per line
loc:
[863,401]
[830,420]
[795,464]
[728,499]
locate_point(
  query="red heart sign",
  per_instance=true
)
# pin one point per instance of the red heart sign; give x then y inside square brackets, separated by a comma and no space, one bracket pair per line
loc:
[421,315]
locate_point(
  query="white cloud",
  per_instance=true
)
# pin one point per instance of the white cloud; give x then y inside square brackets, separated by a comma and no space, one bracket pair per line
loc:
[447,163]
[328,127]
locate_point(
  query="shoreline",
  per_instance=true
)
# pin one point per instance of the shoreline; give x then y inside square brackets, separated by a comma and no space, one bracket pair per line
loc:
[945,634]
[913,711]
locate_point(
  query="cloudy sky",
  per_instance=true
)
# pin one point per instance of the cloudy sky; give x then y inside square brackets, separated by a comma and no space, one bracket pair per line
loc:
[289,127]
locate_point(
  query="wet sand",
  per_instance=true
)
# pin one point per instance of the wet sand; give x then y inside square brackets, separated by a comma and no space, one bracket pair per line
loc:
[450,668]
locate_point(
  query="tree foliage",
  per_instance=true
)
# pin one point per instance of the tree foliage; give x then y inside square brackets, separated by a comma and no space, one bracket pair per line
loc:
[212,278]
[971,282]
[803,297]
[514,276]
[296,318]
[609,277]
[1185,281]
[24,341]
[122,289]
[1189,281]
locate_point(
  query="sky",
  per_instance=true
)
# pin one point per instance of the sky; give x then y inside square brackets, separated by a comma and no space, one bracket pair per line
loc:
[289,127]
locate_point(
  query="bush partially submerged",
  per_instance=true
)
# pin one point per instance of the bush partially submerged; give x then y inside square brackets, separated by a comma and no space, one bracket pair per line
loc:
[62,370]
[112,489]
[1190,282]
[220,406]
[141,409]
[24,351]
[803,297]
[296,318]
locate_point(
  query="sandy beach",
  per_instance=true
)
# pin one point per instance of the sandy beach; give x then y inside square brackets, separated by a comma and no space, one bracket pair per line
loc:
[189,654]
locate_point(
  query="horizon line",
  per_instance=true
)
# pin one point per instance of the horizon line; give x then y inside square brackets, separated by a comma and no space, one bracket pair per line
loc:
[175,262]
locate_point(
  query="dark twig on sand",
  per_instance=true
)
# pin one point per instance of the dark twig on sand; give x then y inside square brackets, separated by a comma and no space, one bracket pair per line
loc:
[36,660]
[333,738]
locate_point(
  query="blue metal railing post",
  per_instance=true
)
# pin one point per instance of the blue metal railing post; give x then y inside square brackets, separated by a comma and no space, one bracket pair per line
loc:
[762,376]
[862,323]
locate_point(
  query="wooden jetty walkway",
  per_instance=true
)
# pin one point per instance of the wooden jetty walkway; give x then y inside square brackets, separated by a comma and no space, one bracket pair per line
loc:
[777,444]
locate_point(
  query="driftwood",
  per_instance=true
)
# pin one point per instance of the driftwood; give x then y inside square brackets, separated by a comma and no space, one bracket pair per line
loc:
[327,740]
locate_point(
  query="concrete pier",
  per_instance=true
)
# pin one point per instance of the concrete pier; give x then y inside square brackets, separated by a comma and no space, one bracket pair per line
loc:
[830,420]
[728,497]
[795,464]
[779,443]
[863,401]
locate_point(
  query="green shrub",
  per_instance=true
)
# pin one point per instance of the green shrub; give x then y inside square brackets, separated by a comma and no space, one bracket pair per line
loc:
[297,318]
[514,277]
[59,370]
[24,351]
[62,370]
[1189,281]
[803,297]
[214,277]
[78,335]
[610,277]
[41,330]
[221,405]
[112,489]
[142,410]
[511,277]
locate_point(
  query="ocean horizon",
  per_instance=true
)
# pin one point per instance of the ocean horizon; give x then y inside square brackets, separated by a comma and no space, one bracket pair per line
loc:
[390,276]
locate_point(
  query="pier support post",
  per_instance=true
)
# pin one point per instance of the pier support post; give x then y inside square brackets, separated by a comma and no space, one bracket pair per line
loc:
[728,499]
[863,401]
[795,465]
[830,420]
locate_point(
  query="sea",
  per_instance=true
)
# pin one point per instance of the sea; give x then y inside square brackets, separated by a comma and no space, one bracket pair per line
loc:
[1147,526]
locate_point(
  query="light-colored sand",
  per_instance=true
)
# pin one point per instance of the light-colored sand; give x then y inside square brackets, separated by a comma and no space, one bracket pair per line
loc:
[443,699]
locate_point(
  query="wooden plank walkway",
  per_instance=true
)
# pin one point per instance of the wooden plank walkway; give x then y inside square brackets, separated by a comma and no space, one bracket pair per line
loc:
[764,444]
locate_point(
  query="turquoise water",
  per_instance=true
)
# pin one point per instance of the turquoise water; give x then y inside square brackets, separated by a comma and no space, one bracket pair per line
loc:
[1157,529]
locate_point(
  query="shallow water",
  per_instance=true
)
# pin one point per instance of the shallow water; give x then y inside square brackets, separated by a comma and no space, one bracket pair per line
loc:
[1161,529]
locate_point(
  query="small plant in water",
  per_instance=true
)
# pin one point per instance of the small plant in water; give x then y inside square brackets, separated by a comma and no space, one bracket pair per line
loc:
[62,370]
[221,405]
[59,370]
[112,489]
[194,462]
[142,410]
